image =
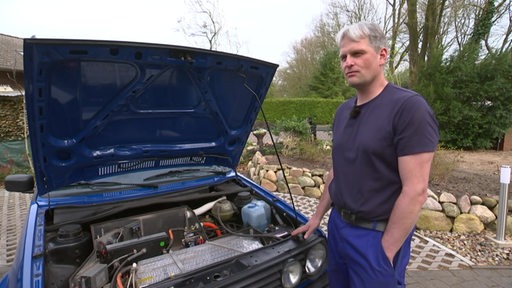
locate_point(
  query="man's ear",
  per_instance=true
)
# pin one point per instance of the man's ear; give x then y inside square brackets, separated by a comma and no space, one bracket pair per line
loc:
[383,54]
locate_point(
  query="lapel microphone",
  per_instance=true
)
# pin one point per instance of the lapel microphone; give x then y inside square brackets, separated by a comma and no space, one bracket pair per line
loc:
[356,110]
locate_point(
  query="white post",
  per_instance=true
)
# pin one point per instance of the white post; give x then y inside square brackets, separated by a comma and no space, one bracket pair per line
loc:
[502,206]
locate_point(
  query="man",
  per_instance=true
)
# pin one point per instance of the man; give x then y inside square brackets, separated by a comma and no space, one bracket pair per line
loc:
[384,140]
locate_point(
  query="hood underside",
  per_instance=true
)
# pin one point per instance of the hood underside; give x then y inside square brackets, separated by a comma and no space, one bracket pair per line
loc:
[100,107]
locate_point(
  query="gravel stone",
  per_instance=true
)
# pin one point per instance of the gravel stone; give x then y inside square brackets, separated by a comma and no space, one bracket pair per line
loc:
[479,248]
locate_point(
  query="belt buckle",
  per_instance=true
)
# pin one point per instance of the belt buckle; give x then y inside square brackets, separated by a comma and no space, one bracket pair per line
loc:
[348,215]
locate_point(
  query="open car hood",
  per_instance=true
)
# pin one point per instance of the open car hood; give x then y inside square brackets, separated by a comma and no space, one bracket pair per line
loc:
[98,108]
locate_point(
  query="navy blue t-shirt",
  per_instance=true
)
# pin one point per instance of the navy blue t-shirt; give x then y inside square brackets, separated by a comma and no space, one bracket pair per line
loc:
[398,122]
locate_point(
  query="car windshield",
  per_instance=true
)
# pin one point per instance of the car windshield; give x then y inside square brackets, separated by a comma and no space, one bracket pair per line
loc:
[189,172]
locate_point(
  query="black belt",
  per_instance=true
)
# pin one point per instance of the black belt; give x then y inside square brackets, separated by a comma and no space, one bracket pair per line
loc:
[351,218]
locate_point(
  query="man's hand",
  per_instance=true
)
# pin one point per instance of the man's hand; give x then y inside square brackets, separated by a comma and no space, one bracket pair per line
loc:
[308,228]
[390,256]
[324,205]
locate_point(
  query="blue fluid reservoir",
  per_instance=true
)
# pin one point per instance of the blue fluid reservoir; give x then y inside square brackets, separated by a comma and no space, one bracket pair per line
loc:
[257,215]
[266,208]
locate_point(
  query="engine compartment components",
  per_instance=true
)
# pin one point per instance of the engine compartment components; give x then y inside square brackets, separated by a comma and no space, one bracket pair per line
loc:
[132,249]
[65,251]
[159,228]
[206,237]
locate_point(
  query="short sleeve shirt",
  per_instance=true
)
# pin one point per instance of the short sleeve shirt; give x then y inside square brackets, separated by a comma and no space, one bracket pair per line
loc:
[366,147]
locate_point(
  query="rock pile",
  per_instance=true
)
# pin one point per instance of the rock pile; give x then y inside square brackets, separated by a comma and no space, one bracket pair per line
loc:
[468,214]
[302,181]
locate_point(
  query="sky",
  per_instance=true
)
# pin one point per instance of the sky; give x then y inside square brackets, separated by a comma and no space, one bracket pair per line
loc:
[264,29]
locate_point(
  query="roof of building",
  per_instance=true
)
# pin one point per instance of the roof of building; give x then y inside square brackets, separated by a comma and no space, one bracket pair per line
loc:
[11,93]
[11,53]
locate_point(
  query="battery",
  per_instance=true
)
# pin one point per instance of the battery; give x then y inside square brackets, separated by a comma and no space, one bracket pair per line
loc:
[156,269]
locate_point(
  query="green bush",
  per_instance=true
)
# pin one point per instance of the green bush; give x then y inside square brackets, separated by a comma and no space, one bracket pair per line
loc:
[471,100]
[321,111]
[310,150]
[293,125]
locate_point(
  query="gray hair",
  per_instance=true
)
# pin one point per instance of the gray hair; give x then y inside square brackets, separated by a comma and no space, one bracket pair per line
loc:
[362,30]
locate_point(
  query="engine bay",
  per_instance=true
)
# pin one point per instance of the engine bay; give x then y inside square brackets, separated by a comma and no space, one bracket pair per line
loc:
[145,244]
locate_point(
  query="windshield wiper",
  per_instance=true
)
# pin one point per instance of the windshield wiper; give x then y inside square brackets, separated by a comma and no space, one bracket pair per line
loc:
[216,170]
[91,184]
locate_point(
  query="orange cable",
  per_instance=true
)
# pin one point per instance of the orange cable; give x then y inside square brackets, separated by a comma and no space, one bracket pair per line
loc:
[213,226]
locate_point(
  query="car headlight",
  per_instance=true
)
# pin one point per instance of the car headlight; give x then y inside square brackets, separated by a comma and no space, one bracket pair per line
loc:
[315,259]
[292,273]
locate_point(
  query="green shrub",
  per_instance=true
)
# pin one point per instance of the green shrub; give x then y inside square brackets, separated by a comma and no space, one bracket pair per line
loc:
[293,125]
[310,150]
[321,111]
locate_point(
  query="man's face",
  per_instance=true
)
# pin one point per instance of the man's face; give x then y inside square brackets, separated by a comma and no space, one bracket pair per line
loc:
[360,63]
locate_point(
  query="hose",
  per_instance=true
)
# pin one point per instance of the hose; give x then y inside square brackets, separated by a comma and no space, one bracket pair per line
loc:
[206,207]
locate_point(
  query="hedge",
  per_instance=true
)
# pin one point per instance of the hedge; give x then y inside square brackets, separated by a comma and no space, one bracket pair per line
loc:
[321,111]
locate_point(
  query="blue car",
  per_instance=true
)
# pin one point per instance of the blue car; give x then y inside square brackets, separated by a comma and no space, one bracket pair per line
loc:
[135,148]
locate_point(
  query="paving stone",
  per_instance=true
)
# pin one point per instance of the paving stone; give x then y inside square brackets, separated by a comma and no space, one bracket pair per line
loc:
[13,208]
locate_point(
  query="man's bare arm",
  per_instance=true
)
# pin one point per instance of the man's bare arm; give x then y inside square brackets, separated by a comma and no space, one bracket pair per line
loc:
[414,171]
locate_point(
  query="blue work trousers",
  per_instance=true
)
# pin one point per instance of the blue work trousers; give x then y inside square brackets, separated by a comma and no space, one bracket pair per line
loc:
[356,258]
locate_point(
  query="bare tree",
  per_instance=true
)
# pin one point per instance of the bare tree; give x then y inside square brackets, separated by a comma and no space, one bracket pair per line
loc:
[455,22]
[353,11]
[461,15]
[206,23]
[391,15]
[431,28]
[394,26]
[412,26]
[501,32]
[294,78]
[417,31]
[328,25]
